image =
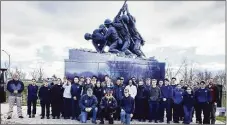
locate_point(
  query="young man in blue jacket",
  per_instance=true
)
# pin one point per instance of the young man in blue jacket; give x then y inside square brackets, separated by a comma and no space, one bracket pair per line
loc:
[127,108]
[203,98]
[166,101]
[44,96]
[88,104]
[118,95]
[32,98]
[177,103]
[76,89]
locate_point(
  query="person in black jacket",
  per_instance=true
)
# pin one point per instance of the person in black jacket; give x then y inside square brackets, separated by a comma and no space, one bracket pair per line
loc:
[127,108]
[32,98]
[56,98]
[76,89]
[98,92]
[140,101]
[188,105]
[108,107]
[44,96]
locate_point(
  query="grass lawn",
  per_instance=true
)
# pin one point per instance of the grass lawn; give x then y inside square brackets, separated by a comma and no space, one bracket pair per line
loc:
[221,118]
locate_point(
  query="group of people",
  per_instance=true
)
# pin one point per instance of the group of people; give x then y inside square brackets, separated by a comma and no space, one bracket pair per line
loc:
[120,35]
[122,100]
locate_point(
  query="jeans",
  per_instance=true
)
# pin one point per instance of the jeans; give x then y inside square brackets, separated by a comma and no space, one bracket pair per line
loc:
[85,114]
[188,114]
[125,118]
[166,105]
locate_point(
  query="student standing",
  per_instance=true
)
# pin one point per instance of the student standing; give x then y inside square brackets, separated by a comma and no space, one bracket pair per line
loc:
[67,99]
[32,98]
[188,105]
[44,96]
[177,103]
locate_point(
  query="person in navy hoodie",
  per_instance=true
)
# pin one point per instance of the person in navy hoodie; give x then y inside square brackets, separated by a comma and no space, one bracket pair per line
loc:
[188,105]
[127,108]
[76,89]
[32,98]
[177,100]
[166,100]
[44,96]
[118,95]
[140,101]
[203,98]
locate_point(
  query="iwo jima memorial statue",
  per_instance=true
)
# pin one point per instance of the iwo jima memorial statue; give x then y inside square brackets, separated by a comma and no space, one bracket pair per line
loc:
[124,57]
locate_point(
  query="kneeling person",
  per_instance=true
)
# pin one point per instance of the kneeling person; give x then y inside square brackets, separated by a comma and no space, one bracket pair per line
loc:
[108,107]
[88,103]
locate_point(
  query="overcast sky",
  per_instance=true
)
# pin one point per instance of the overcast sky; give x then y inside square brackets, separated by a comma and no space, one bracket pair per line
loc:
[40,32]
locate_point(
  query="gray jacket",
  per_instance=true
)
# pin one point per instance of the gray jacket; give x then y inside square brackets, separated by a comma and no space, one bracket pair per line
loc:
[154,94]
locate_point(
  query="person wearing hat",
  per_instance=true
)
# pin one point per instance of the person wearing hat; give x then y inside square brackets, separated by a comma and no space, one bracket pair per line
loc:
[166,100]
[88,104]
[127,107]
[44,96]
[108,107]
[203,98]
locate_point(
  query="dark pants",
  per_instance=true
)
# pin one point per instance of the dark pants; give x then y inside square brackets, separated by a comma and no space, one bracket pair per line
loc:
[146,113]
[188,114]
[196,111]
[33,104]
[213,108]
[67,107]
[166,105]
[108,114]
[75,109]
[153,110]
[203,106]
[177,111]
[56,109]
[140,109]
[45,106]
[118,110]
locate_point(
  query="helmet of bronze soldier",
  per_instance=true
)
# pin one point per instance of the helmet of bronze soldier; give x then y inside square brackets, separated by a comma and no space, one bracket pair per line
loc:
[125,18]
[107,22]
[87,36]
[102,26]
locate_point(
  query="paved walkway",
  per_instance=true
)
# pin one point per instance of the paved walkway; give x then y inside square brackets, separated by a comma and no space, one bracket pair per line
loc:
[37,120]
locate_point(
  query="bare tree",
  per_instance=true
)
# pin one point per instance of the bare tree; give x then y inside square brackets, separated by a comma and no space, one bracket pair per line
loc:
[34,74]
[40,74]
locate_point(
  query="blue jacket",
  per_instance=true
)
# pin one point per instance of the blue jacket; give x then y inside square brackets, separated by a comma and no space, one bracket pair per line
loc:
[13,85]
[178,95]
[188,100]
[127,104]
[108,103]
[203,95]
[118,92]
[167,92]
[32,92]
[44,94]
[174,86]
[88,102]
[76,89]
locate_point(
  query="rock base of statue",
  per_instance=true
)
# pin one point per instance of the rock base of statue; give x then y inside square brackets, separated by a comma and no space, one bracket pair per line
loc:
[87,63]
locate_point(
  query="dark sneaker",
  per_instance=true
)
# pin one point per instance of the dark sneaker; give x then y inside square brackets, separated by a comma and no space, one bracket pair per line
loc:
[42,117]
[21,117]
[29,116]
[48,117]
[8,117]
[33,116]
[102,122]
[156,121]
[94,122]
[168,122]
[150,120]
[53,117]
[58,117]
